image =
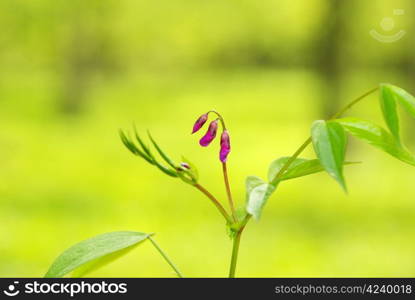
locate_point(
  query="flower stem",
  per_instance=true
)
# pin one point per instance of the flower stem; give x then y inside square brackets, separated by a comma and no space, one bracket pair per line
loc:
[308,141]
[166,258]
[228,190]
[222,120]
[215,202]
[235,247]
[235,251]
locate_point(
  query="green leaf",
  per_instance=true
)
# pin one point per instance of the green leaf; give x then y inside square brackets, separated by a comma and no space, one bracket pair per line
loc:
[376,136]
[133,148]
[100,262]
[94,248]
[258,193]
[403,97]
[329,141]
[389,110]
[300,167]
[162,154]
[140,141]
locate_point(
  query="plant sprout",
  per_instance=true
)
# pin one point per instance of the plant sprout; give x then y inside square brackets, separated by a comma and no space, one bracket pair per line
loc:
[328,137]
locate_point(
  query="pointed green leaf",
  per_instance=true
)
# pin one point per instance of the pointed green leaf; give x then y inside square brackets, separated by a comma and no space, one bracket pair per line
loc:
[165,169]
[300,167]
[403,97]
[329,141]
[101,262]
[258,193]
[133,148]
[389,110]
[92,249]
[162,154]
[376,136]
[143,146]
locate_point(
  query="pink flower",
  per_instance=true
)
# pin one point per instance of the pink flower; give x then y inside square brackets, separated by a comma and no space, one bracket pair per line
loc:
[210,134]
[200,122]
[225,146]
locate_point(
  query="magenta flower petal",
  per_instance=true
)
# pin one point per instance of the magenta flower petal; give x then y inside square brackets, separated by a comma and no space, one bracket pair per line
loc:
[225,146]
[200,122]
[210,134]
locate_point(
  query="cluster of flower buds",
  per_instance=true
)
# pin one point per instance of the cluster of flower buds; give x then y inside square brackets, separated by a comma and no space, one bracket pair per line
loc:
[225,145]
[185,170]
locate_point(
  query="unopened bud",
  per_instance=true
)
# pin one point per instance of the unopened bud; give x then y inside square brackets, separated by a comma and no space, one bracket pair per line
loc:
[200,122]
[210,134]
[225,146]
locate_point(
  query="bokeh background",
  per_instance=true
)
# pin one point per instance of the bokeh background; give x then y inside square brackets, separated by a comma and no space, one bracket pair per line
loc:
[73,72]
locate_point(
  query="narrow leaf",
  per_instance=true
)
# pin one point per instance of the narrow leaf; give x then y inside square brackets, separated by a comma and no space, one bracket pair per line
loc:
[403,97]
[329,141]
[376,136]
[165,170]
[389,110]
[162,154]
[258,193]
[133,148]
[92,249]
[140,141]
[300,167]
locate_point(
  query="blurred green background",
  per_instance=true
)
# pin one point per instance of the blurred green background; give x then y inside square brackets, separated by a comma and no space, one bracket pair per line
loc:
[73,72]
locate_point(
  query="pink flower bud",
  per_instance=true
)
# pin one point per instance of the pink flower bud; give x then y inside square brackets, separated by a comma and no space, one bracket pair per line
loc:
[210,134]
[185,165]
[200,122]
[225,146]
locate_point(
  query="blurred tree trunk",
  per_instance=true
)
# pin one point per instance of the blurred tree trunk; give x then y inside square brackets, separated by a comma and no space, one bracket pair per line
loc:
[87,53]
[329,52]
[76,74]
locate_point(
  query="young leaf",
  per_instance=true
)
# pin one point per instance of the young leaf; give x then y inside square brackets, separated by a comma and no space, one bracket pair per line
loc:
[403,97]
[329,141]
[300,167]
[162,154]
[140,141]
[389,110]
[376,136]
[94,248]
[133,148]
[258,193]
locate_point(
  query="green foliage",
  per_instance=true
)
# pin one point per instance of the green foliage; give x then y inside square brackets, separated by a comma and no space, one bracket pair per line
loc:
[258,193]
[329,138]
[389,110]
[330,141]
[401,96]
[94,252]
[377,137]
[298,168]
[189,176]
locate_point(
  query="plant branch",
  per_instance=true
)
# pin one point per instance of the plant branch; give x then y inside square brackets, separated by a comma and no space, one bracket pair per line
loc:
[244,222]
[214,201]
[166,258]
[308,141]
[228,190]
[235,246]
